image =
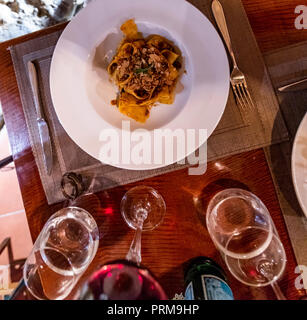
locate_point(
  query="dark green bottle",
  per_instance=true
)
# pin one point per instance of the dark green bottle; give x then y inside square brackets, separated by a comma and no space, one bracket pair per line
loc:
[205,280]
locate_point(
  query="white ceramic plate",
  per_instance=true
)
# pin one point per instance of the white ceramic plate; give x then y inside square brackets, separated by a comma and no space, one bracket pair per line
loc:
[299,164]
[80,87]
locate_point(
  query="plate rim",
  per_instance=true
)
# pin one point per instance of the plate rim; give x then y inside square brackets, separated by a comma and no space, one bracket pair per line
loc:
[144,167]
[293,167]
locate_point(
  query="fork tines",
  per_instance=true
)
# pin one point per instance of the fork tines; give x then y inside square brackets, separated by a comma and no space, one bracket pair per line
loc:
[242,95]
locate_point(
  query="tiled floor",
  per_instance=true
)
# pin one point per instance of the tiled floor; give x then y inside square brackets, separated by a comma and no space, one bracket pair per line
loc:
[13,221]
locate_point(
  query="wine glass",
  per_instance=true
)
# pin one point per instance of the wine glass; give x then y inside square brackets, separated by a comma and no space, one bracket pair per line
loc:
[143,208]
[48,274]
[239,223]
[263,269]
[241,228]
[122,280]
[63,250]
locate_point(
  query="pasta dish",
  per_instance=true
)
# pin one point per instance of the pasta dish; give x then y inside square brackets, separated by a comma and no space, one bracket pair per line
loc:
[146,71]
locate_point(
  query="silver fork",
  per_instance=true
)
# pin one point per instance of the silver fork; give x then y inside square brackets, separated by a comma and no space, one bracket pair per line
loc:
[237,78]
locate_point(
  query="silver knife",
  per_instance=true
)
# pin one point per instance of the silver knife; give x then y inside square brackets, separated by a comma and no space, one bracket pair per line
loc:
[295,86]
[42,124]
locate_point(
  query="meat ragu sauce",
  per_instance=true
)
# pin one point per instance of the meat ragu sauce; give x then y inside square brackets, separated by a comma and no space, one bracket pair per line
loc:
[146,71]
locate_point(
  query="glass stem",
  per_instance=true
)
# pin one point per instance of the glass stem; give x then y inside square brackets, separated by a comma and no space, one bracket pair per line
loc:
[277,291]
[265,268]
[134,253]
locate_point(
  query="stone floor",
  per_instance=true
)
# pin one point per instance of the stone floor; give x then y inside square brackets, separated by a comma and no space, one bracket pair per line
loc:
[19,17]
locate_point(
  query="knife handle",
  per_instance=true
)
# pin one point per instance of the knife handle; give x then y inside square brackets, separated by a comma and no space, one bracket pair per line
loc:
[295,86]
[35,89]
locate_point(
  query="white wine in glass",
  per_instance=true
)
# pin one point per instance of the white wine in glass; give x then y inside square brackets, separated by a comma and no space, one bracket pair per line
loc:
[61,253]
[261,270]
[243,231]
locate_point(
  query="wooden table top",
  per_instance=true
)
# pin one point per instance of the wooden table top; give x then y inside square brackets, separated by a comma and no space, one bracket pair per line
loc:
[183,234]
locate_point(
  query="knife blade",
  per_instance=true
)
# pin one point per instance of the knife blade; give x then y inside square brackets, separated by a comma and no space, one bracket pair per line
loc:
[41,122]
[295,86]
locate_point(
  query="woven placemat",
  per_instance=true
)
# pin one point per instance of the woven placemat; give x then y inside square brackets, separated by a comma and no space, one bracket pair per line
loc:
[288,65]
[233,135]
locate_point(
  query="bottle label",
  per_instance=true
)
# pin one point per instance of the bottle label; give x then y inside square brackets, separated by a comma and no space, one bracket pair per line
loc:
[189,293]
[215,288]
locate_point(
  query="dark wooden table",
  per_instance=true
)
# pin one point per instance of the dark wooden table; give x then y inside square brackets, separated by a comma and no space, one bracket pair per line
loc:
[183,234]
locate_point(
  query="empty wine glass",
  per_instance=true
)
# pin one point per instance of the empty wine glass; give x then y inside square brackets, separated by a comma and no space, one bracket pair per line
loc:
[142,208]
[241,228]
[63,250]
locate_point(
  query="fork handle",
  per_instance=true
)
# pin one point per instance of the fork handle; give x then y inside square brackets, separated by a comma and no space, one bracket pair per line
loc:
[220,19]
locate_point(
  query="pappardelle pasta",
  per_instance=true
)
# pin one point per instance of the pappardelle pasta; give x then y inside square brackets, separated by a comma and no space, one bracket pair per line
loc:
[146,71]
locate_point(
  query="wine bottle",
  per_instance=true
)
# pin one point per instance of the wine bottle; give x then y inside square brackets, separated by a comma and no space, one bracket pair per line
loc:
[205,280]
